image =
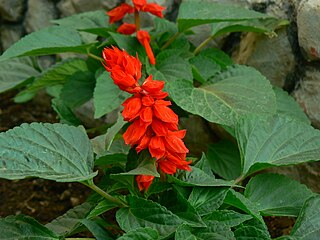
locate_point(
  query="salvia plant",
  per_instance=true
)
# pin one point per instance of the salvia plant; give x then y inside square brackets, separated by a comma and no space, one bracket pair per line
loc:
[155,187]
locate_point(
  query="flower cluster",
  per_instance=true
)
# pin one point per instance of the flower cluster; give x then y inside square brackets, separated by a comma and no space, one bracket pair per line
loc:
[143,37]
[154,125]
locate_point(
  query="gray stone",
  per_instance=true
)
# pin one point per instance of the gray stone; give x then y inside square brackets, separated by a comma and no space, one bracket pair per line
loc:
[66,8]
[39,15]
[109,4]
[273,57]
[308,19]
[70,7]
[10,34]
[11,10]
[308,95]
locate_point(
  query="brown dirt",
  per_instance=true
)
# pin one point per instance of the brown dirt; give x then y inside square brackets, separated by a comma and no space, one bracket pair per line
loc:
[279,226]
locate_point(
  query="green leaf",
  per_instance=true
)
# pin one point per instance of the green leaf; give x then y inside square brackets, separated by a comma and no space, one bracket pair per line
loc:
[96,22]
[286,105]
[195,12]
[218,56]
[277,195]
[51,151]
[203,164]
[204,68]
[100,208]
[252,229]
[57,74]
[307,226]
[16,71]
[184,232]
[146,167]
[276,141]
[197,177]
[83,83]
[66,224]
[228,217]
[47,41]
[97,231]
[107,96]
[146,213]
[22,227]
[230,97]
[144,233]
[178,205]
[224,159]
[206,200]
[65,114]
[174,67]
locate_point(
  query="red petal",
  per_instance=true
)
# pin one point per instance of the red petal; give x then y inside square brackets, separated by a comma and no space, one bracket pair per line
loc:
[167,166]
[127,28]
[175,144]
[118,13]
[131,109]
[144,38]
[154,9]
[164,113]
[146,114]
[134,132]
[159,127]
[143,143]
[157,147]
[152,86]
[147,101]
[139,4]
[144,181]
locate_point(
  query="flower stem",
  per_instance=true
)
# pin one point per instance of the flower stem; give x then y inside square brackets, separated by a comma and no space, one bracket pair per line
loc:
[170,41]
[202,45]
[137,20]
[95,57]
[104,194]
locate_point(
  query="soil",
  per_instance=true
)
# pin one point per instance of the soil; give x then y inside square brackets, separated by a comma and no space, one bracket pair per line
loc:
[45,200]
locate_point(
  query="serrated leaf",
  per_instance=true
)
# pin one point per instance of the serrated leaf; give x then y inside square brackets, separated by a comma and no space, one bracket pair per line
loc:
[144,233]
[218,56]
[22,227]
[52,151]
[237,92]
[276,141]
[197,177]
[277,195]
[57,74]
[100,208]
[184,232]
[204,165]
[47,41]
[146,213]
[107,96]
[146,167]
[206,200]
[252,229]
[204,68]
[288,106]
[174,67]
[228,217]
[196,12]
[65,114]
[97,231]
[224,159]
[83,83]
[66,224]
[96,22]
[15,71]
[307,226]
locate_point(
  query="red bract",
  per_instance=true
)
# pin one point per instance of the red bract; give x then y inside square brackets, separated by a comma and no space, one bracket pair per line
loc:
[118,13]
[144,38]
[154,125]
[127,28]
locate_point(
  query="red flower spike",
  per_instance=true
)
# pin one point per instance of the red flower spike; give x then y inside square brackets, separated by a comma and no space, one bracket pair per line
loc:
[127,29]
[164,113]
[147,101]
[131,109]
[118,13]
[154,9]
[144,38]
[146,114]
[144,182]
[159,127]
[135,132]
[152,86]
[157,147]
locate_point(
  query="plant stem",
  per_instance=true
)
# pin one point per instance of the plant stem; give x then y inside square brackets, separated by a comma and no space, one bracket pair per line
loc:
[170,41]
[95,57]
[137,20]
[104,194]
[239,179]
[202,45]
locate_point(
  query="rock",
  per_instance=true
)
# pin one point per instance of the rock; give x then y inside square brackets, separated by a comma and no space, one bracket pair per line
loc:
[109,4]
[10,34]
[308,95]
[39,15]
[11,10]
[70,7]
[273,57]
[308,19]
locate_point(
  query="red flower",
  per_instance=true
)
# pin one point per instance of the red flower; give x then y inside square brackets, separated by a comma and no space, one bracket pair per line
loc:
[154,125]
[118,13]
[144,38]
[127,29]
[154,9]
[144,181]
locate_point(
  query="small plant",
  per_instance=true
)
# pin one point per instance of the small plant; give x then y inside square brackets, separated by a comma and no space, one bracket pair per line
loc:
[157,187]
